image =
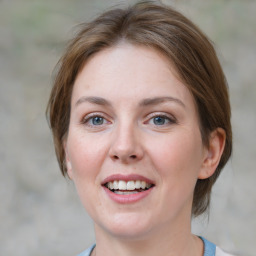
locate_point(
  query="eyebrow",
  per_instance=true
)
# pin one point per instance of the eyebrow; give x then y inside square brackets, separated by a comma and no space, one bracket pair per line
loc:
[94,100]
[158,100]
[144,102]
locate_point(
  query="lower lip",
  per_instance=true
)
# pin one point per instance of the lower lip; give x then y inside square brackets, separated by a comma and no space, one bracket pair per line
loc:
[127,199]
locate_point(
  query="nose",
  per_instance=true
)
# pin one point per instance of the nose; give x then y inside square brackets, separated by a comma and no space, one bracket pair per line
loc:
[126,145]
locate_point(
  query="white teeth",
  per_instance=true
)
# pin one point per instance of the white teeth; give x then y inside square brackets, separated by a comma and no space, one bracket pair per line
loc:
[122,185]
[143,184]
[125,192]
[115,185]
[110,185]
[129,185]
[137,184]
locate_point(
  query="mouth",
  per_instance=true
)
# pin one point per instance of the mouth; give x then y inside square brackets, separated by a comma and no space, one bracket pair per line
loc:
[129,187]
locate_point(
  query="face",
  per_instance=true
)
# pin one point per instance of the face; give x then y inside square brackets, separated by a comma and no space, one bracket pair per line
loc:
[134,148]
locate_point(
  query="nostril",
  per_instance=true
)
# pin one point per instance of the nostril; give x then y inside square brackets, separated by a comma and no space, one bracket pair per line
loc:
[124,158]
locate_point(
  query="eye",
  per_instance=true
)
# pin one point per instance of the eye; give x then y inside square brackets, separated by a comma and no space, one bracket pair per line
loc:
[94,120]
[97,120]
[161,120]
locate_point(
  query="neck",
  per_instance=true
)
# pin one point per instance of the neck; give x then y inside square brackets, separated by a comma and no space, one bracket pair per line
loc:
[165,241]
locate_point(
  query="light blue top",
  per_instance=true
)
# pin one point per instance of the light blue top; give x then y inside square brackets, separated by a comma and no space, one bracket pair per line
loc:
[87,252]
[209,249]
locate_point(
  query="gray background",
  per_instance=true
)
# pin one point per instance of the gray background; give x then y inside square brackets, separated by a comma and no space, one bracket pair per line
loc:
[40,213]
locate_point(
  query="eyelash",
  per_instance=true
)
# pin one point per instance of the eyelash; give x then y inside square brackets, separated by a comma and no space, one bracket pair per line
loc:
[90,117]
[170,119]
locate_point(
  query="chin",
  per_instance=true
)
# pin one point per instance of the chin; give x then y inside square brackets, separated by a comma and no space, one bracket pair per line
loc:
[128,227]
[130,233]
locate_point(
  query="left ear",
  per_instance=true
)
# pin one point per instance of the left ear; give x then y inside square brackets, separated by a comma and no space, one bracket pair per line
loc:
[213,153]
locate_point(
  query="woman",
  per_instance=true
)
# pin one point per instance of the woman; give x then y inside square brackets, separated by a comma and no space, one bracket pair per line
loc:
[140,117]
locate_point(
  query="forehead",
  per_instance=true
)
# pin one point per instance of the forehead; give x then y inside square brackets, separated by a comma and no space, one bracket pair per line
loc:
[129,71]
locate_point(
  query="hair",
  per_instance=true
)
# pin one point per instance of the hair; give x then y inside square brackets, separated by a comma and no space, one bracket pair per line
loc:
[191,53]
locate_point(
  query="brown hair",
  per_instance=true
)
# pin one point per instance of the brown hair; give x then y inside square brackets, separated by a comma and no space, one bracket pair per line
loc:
[188,49]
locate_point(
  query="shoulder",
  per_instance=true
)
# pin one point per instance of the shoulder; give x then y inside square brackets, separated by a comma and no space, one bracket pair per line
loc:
[220,252]
[211,249]
[87,252]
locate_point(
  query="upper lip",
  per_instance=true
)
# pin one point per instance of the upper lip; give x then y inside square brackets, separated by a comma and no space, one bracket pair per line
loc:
[126,178]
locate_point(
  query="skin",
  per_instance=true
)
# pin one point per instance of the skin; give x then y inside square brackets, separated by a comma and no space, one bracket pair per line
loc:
[129,139]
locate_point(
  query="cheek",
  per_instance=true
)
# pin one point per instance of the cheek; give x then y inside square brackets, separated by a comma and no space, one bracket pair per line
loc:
[86,154]
[178,155]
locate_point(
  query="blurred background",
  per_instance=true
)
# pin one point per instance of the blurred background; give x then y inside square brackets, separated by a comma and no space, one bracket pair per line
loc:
[40,213]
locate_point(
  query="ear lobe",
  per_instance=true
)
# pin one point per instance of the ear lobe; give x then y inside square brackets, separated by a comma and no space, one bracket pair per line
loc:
[67,162]
[213,153]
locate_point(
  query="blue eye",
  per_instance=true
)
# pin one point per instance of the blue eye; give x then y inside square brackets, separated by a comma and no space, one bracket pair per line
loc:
[97,120]
[94,120]
[160,120]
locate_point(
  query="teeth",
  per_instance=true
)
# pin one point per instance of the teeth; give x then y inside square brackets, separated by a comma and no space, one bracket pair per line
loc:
[129,185]
[110,185]
[125,192]
[137,184]
[115,184]
[122,185]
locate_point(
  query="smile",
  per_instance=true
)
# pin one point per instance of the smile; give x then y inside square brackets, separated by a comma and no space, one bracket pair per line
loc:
[122,187]
[127,189]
